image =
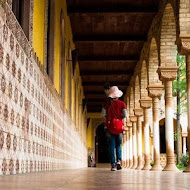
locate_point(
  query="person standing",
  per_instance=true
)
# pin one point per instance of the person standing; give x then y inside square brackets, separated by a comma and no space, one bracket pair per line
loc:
[114,109]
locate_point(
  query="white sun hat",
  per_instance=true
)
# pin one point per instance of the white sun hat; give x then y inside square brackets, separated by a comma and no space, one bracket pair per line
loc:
[114,92]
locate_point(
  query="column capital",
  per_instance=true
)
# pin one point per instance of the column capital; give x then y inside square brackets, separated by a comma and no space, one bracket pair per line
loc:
[145,102]
[133,118]
[167,73]
[155,90]
[129,124]
[183,44]
[138,112]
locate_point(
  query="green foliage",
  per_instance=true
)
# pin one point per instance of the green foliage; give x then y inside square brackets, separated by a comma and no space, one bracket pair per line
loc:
[180,167]
[152,163]
[175,136]
[184,160]
[179,86]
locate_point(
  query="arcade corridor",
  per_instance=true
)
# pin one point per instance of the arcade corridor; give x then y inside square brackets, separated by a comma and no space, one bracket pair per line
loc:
[56,57]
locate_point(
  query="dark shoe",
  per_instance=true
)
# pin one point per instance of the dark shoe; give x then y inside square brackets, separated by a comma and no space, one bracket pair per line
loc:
[119,166]
[113,168]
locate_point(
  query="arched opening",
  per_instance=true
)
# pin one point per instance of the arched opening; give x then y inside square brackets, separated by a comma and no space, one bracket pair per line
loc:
[50,39]
[162,136]
[153,63]
[168,38]
[62,23]
[102,141]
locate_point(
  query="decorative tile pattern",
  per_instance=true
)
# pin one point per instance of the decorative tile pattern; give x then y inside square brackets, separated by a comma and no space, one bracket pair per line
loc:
[36,134]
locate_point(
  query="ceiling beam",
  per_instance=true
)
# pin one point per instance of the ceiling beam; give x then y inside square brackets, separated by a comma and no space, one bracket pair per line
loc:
[94,110]
[77,10]
[98,100]
[94,92]
[118,83]
[109,59]
[98,72]
[97,92]
[109,38]
[91,102]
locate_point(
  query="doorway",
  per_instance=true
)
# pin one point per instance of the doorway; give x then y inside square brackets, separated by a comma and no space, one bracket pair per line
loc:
[102,145]
[162,137]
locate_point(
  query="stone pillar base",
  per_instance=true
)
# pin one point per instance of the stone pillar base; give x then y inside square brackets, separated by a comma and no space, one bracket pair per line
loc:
[156,167]
[127,163]
[187,169]
[123,164]
[130,163]
[147,167]
[140,164]
[170,167]
[134,163]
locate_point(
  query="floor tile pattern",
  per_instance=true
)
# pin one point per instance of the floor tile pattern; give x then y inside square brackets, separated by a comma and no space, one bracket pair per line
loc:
[97,179]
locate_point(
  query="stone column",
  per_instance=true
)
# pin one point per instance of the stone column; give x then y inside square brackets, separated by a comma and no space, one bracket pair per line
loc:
[184,136]
[134,133]
[184,148]
[124,151]
[127,148]
[188,104]
[129,124]
[146,104]
[155,92]
[167,75]
[139,112]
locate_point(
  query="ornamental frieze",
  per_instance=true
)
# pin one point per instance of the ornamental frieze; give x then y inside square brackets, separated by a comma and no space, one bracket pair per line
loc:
[138,111]
[133,118]
[183,43]
[155,90]
[167,73]
[145,103]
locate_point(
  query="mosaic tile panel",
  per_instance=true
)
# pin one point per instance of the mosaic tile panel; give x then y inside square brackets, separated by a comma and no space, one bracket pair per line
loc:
[35,133]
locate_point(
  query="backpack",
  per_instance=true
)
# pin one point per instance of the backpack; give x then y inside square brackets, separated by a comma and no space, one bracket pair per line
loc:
[115,125]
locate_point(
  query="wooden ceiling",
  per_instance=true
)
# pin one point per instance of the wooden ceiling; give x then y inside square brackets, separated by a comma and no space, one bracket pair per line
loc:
[109,36]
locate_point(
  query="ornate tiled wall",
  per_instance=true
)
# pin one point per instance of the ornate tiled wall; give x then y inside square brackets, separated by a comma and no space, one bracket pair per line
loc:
[35,133]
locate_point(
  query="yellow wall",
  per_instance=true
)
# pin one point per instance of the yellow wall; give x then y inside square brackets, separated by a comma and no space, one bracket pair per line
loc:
[89,135]
[66,86]
[60,4]
[73,104]
[38,44]
[39,28]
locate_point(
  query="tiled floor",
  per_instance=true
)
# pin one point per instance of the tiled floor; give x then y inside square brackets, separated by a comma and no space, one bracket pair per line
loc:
[97,179]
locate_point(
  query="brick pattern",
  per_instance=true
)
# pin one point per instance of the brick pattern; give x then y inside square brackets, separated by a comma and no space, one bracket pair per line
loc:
[168,38]
[144,84]
[163,34]
[128,103]
[137,92]
[131,102]
[36,134]
[153,63]
[184,17]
